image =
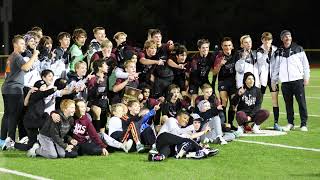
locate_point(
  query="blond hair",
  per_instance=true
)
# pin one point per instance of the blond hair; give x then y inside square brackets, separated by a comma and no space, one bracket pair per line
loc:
[266,35]
[66,103]
[242,38]
[118,34]
[106,43]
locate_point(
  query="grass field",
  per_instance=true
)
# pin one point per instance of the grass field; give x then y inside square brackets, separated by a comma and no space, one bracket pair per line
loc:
[237,160]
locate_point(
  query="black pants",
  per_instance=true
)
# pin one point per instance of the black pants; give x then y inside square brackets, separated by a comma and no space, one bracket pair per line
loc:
[165,143]
[147,136]
[13,107]
[32,136]
[89,148]
[295,88]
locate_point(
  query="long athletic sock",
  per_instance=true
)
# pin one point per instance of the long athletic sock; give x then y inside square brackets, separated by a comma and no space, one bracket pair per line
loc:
[276,114]
[230,115]
[224,112]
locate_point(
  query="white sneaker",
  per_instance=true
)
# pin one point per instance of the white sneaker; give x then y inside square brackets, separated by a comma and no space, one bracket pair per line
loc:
[8,144]
[288,127]
[256,129]
[24,140]
[304,129]
[239,132]
[153,149]
[32,152]
[221,140]
[127,145]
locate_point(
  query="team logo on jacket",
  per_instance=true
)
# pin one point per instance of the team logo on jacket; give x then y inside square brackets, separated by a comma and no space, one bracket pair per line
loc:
[249,100]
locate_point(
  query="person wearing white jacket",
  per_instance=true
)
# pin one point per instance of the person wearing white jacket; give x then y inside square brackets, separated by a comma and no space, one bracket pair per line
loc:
[265,54]
[247,61]
[291,68]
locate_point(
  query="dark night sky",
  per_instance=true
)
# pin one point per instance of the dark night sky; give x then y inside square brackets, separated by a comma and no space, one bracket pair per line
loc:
[184,21]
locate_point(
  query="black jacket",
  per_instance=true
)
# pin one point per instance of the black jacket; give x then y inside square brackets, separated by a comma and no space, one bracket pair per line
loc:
[58,131]
[35,115]
[249,102]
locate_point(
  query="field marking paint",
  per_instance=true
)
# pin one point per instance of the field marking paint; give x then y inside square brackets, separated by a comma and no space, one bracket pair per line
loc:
[307,97]
[8,171]
[278,145]
[297,114]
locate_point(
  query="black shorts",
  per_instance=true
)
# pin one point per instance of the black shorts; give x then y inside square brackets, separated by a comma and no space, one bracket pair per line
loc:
[196,84]
[227,85]
[263,88]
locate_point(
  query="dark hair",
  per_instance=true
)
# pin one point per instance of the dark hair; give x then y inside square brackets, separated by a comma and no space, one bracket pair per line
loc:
[96,64]
[45,72]
[202,41]
[78,32]
[180,49]
[226,39]
[61,35]
[45,40]
[180,112]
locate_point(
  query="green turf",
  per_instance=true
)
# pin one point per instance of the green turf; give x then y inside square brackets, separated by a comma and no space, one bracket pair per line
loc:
[237,160]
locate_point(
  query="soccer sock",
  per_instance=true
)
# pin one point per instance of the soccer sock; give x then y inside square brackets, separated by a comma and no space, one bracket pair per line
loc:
[230,115]
[224,112]
[276,114]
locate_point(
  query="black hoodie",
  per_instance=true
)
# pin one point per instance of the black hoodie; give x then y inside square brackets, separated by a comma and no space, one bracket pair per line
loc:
[250,101]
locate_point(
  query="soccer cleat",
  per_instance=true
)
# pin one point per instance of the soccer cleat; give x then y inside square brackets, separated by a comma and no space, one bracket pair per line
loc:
[256,129]
[8,144]
[126,146]
[196,155]
[140,148]
[304,129]
[210,152]
[277,127]
[181,151]
[288,127]
[24,140]
[156,157]
[32,152]
[153,150]
[220,140]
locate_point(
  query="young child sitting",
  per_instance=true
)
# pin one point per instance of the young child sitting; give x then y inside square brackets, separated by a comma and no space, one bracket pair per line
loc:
[147,130]
[210,116]
[119,128]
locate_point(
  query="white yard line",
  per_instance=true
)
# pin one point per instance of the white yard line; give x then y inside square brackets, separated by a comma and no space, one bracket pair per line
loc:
[297,114]
[278,145]
[8,171]
[307,97]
